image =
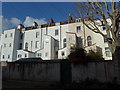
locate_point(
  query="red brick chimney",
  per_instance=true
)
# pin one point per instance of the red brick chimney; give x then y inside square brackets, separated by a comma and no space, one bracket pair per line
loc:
[51,20]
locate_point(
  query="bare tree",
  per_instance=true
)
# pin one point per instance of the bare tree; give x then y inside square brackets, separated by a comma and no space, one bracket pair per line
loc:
[94,15]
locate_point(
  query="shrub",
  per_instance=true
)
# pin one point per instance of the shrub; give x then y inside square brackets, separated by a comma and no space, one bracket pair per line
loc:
[94,56]
[79,55]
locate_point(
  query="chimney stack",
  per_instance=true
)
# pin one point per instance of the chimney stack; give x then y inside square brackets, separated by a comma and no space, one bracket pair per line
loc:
[51,20]
[70,17]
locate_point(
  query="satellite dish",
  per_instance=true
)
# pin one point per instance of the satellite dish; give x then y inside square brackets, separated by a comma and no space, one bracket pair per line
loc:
[35,24]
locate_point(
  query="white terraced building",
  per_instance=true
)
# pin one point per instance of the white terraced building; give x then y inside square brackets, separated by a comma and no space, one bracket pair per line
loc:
[50,41]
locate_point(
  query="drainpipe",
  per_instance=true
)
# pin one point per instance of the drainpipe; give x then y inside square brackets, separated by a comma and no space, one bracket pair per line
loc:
[41,39]
[84,36]
[31,45]
[60,39]
[51,48]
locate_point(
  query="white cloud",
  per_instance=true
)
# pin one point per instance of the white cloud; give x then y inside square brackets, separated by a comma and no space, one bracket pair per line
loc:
[13,22]
[29,21]
[9,23]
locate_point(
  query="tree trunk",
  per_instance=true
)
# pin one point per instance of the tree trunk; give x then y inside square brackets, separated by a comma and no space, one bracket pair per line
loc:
[116,58]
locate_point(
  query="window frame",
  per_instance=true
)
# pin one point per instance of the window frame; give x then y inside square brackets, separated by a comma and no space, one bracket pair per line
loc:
[11,34]
[46,54]
[89,40]
[3,57]
[4,45]
[10,45]
[5,35]
[56,32]
[8,56]
[25,55]
[103,27]
[37,34]
[19,55]
[64,43]
[26,46]
[36,44]
[39,54]
[107,52]
[62,53]
[78,29]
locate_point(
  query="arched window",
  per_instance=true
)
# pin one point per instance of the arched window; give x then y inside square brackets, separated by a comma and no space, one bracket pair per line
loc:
[89,40]
[26,46]
[64,42]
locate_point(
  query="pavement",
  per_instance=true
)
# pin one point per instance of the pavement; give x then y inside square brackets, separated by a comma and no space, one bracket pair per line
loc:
[16,84]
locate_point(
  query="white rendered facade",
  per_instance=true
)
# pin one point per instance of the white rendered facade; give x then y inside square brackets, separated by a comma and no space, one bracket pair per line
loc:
[49,41]
[9,45]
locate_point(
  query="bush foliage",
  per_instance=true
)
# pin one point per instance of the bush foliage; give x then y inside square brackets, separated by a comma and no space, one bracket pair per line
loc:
[94,56]
[79,55]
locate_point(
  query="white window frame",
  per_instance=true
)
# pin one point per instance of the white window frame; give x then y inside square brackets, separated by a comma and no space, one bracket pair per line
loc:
[36,44]
[5,35]
[8,56]
[107,52]
[89,41]
[64,42]
[78,29]
[25,55]
[56,32]
[37,34]
[4,45]
[11,34]
[10,45]
[3,56]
